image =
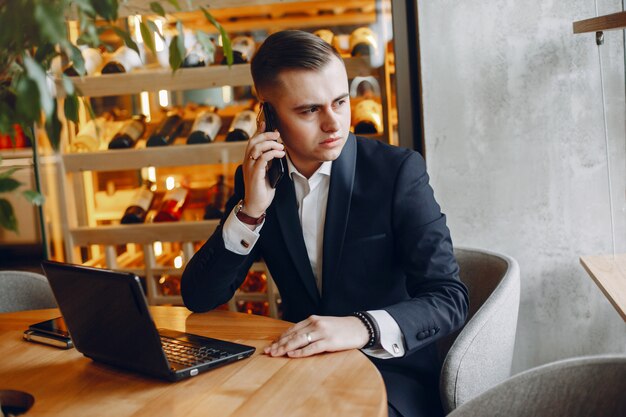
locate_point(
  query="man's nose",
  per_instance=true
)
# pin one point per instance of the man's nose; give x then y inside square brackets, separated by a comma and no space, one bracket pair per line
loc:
[330,121]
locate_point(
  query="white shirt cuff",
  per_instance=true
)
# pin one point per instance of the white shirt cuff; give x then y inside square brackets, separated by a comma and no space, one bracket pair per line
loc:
[391,337]
[238,237]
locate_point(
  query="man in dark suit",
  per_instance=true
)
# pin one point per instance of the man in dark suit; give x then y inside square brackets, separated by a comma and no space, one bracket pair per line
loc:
[352,234]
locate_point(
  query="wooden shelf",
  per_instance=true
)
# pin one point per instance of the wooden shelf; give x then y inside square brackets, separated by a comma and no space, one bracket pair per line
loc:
[609,273]
[19,153]
[185,79]
[132,7]
[146,233]
[160,156]
[607,22]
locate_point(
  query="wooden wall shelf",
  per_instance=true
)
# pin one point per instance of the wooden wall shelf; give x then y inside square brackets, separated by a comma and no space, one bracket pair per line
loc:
[146,233]
[184,79]
[609,273]
[613,21]
[161,156]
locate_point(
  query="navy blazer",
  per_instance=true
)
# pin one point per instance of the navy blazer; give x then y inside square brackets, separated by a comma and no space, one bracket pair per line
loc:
[386,246]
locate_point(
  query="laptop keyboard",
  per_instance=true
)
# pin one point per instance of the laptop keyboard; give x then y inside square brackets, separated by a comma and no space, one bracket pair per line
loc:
[190,355]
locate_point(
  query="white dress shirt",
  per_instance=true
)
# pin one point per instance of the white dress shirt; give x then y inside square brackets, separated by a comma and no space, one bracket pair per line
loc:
[312,198]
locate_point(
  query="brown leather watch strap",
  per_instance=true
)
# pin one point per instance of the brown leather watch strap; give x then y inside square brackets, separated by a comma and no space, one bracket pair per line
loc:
[244,218]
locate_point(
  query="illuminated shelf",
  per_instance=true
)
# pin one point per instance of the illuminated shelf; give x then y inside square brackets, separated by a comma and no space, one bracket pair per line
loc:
[184,79]
[609,273]
[158,156]
[147,233]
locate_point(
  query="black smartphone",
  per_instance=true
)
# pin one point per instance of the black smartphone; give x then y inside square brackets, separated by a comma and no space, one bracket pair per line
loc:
[51,332]
[276,168]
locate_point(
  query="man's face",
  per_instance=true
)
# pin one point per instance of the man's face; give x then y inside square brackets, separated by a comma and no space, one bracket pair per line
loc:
[313,109]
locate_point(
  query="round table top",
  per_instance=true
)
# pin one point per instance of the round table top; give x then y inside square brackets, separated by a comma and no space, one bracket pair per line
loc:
[64,382]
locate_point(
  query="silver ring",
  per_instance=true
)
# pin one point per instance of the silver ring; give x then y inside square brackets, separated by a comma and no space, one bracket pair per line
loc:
[308,338]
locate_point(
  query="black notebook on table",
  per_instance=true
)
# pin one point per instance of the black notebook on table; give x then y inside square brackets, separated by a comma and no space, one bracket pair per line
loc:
[108,318]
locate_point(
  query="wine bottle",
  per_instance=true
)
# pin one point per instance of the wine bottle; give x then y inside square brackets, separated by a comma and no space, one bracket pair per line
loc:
[326,35]
[197,56]
[171,208]
[168,129]
[123,59]
[218,194]
[92,134]
[129,133]
[93,61]
[363,42]
[243,126]
[364,87]
[367,117]
[243,48]
[138,209]
[205,127]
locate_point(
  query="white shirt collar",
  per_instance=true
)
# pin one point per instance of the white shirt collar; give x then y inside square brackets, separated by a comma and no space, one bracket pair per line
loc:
[324,169]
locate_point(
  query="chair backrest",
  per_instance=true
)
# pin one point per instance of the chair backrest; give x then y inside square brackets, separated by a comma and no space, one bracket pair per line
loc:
[577,387]
[480,354]
[21,290]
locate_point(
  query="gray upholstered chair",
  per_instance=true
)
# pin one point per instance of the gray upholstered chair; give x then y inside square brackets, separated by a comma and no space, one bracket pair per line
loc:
[481,352]
[577,387]
[21,290]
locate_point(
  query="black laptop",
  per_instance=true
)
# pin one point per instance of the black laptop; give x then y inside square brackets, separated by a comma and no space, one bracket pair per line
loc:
[108,318]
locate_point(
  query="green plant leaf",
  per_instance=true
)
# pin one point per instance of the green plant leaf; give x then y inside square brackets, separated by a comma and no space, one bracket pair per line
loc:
[8,220]
[87,105]
[175,4]
[76,57]
[9,172]
[85,6]
[155,28]
[8,184]
[37,74]
[70,106]
[148,37]
[125,36]
[157,8]
[51,21]
[68,85]
[228,49]
[27,104]
[45,53]
[176,54]
[106,8]
[53,129]
[205,41]
[33,197]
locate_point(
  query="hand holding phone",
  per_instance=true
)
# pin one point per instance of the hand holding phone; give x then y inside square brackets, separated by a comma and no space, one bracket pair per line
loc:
[277,167]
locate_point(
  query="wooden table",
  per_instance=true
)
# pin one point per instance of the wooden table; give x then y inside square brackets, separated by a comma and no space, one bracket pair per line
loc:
[66,383]
[609,273]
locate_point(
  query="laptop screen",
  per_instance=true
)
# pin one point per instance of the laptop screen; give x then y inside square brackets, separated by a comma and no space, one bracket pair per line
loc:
[107,316]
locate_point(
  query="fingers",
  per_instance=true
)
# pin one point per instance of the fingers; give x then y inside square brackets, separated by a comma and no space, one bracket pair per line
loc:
[319,334]
[304,334]
[266,151]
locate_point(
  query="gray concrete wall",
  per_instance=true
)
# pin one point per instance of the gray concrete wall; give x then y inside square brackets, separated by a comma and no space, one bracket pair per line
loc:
[515,147]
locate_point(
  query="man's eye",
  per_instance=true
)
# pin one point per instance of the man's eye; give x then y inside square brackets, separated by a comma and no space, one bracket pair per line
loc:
[310,110]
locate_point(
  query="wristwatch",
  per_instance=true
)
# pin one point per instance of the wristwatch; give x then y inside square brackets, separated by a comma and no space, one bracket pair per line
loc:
[244,218]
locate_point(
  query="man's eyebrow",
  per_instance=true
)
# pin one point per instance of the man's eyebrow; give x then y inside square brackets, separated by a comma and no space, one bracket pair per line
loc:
[308,106]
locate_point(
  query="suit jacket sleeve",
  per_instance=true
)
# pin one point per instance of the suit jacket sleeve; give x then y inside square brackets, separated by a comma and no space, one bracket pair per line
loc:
[214,273]
[438,300]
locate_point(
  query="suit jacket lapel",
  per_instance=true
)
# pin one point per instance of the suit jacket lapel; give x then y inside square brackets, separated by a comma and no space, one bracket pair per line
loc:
[337,210]
[287,214]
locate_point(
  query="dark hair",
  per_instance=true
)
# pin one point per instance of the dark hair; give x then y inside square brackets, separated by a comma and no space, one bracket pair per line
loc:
[289,49]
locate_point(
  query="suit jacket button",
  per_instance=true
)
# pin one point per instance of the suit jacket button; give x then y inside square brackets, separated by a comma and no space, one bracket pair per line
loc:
[421,335]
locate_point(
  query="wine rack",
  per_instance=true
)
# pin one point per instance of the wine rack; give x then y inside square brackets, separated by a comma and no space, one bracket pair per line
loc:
[83,214]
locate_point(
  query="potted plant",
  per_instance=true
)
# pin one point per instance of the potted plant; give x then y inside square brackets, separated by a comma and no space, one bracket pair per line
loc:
[34,33]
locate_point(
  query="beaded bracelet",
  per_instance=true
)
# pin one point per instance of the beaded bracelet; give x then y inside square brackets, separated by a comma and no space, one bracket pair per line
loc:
[371,326]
